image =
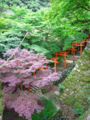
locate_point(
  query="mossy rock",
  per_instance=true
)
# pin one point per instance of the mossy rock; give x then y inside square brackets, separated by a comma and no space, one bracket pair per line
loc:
[77,87]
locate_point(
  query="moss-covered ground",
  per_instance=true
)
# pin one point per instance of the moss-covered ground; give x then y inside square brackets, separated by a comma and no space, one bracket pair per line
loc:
[77,85]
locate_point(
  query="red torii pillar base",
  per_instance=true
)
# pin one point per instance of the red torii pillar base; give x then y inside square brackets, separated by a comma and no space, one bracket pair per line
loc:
[55,63]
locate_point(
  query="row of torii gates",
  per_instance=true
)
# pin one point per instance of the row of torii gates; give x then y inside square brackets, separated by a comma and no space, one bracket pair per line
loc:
[75,47]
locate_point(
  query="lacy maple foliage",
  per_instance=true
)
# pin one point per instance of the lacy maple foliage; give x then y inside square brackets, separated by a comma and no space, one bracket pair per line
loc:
[19,70]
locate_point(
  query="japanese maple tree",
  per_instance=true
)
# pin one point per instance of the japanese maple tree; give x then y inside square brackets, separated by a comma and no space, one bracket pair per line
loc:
[19,71]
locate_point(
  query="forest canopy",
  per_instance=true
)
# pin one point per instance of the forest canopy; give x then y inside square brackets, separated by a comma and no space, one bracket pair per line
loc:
[30,4]
[63,22]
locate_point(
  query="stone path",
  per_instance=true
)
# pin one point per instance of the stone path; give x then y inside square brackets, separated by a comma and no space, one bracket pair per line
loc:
[54,93]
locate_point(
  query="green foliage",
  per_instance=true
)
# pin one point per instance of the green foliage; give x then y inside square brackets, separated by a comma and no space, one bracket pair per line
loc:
[30,4]
[78,37]
[39,49]
[84,115]
[70,100]
[39,39]
[68,20]
[4,24]
[49,110]
[61,87]
[79,108]
[49,30]
[9,39]
[1,6]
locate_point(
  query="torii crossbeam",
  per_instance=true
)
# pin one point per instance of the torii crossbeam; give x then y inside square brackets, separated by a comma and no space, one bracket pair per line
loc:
[55,60]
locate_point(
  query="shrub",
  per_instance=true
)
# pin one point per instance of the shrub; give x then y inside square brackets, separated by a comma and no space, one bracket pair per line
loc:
[79,108]
[61,87]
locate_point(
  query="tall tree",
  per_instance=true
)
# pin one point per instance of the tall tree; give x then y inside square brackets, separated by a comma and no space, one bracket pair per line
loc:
[69,18]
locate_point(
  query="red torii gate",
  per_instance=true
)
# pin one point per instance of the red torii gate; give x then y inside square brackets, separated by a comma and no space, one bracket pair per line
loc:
[78,45]
[73,50]
[65,54]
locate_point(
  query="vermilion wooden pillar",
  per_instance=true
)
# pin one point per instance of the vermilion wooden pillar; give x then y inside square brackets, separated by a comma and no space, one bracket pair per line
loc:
[73,56]
[21,85]
[65,61]
[29,89]
[55,60]
[86,41]
[34,73]
[81,49]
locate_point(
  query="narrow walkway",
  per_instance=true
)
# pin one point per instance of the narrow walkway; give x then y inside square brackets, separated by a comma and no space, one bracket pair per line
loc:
[54,93]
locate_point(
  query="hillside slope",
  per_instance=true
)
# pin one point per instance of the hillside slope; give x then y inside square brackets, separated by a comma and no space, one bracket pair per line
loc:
[77,85]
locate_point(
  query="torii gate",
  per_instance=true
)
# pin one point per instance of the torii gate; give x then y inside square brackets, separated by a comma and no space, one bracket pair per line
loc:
[65,54]
[73,50]
[78,45]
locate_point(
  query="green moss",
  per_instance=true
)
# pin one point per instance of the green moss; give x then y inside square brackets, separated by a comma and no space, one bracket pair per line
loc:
[79,108]
[70,100]
[1,101]
[84,116]
[77,91]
